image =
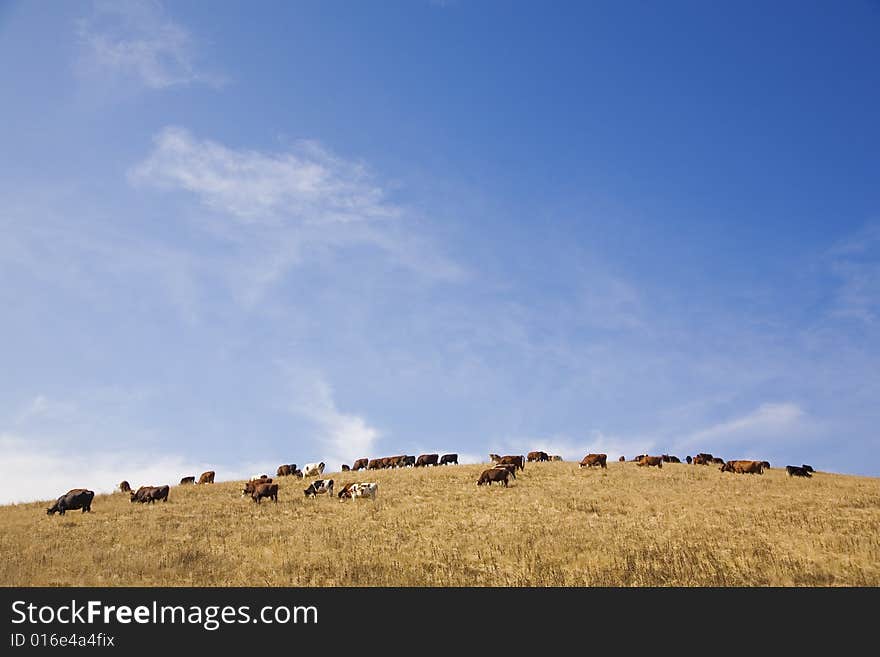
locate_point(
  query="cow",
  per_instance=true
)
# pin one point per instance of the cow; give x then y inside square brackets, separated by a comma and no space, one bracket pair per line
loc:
[313,469]
[124,486]
[510,467]
[537,456]
[766,464]
[425,460]
[555,457]
[808,468]
[688,459]
[518,461]
[702,459]
[449,459]
[717,460]
[319,487]
[285,470]
[670,459]
[410,462]
[207,477]
[251,485]
[743,467]
[594,459]
[265,490]
[150,494]
[344,492]
[259,477]
[639,457]
[622,459]
[493,475]
[367,490]
[298,473]
[797,471]
[345,468]
[651,460]
[76,498]
[360,464]
[187,480]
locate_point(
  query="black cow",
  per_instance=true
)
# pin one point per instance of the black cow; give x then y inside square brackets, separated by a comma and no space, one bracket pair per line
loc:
[449,458]
[795,471]
[149,494]
[76,498]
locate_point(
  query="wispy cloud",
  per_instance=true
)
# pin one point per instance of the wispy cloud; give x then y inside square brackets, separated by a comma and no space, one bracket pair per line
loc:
[342,437]
[855,262]
[768,421]
[135,39]
[282,209]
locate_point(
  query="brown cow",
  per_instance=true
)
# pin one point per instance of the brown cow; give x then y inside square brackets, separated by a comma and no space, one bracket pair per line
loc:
[345,468]
[375,464]
[265,490]
[670,459]
[124,487]
[518,461]
[76,498]
[427,459]
[187,480]
[743,467]
[702,459]
[651,460]
[285,470]
[149,494]
[493,475]
[766,464]
[594,459]
[622,459]
[207,477]
[360,463]
[510,467]
[537,456]
[344,492]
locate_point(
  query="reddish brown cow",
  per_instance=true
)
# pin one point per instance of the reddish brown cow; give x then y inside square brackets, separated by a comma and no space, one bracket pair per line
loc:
[207,477]
[743,467]
[493,475]
[265,490]
[537,456]
[427,459]
[510,467]
[360,464]
[594,459]
[518,461]
[651,460]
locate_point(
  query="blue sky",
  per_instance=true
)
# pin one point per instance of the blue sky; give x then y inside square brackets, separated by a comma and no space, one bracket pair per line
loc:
[247,234]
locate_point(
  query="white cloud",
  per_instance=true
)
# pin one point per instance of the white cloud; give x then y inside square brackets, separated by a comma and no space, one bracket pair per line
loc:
[342,437]
[135,39]
[58,470]
[768,421]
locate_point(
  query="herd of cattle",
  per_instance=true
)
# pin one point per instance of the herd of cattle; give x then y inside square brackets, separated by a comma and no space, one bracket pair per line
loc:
[260,487]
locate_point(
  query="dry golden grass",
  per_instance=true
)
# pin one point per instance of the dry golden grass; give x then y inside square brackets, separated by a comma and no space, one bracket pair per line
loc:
[555,526]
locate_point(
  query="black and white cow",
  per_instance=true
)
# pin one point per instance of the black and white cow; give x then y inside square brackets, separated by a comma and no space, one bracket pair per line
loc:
[319,487]
[313,469]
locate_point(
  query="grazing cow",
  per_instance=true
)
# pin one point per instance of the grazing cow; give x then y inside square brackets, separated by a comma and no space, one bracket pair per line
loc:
[360,464]
[265,490]
[766,464]
[409,462]
[670,459]
[286,470]
[493,475]
[187,480]
[344,492]
[555,457]
[426,459]
[622,459]
[651,460]
[639,457]
[207,477]
[251,485]
[374,464]
[688,459]
[518,461]
[150,494]
[808,468]
[319,487]
[124,487]
[345,468]
[796,471]
[76,498]
[717,460]
[313,469]
[743,467]
[510,467]
[367,490]
[594,459]
[702,459]
[537,456]
[448,459]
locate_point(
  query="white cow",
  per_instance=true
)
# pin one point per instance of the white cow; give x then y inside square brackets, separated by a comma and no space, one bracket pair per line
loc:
[366,489]
[319,487]
[313,469]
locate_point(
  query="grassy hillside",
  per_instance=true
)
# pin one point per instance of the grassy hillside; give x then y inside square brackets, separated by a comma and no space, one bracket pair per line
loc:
[555,526]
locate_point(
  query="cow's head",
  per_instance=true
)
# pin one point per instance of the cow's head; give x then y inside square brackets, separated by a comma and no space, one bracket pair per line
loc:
[726,468]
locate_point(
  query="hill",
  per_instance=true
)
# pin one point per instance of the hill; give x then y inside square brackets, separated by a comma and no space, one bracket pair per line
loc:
[556,525]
